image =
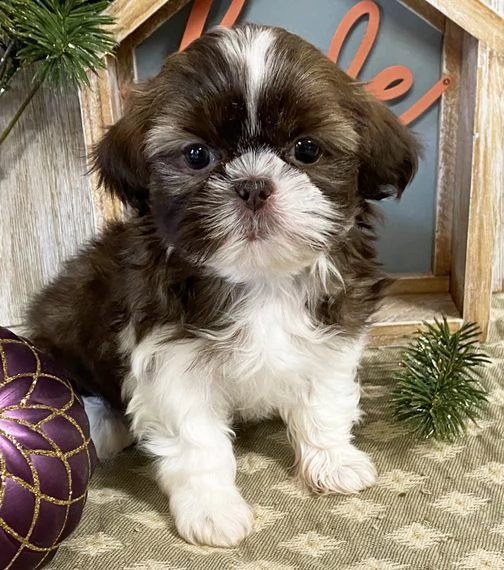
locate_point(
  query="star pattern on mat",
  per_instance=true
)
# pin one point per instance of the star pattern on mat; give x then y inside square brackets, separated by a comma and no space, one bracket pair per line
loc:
[262,565]
[400,481]
[476,429]
[498,529]
[107,495]
[481,560]
[153,520]
[359,510]
[265,517]
[201,550]
[377,564]
[417,536]
[438,451]
[491,472]
[496,397]
[312,544]
[93,544]
[251,463]
[152,565]
[461,504]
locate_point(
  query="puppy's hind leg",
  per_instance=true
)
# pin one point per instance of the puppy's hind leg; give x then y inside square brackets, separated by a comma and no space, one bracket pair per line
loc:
[109,431]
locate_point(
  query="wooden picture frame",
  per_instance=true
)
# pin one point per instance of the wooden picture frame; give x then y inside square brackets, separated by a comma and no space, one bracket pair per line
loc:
[470,166]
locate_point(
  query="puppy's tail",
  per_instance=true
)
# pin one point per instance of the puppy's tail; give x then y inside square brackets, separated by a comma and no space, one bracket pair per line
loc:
[109,431]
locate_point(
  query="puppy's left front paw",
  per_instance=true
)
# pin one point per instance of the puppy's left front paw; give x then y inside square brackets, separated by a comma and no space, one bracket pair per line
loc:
[214,516]
[345,470]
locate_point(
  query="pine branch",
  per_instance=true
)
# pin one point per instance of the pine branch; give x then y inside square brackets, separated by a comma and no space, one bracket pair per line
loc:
[438,389]
[66,37]
[62,39]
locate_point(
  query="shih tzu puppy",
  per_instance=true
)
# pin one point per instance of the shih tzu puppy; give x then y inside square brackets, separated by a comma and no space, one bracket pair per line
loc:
[242,283]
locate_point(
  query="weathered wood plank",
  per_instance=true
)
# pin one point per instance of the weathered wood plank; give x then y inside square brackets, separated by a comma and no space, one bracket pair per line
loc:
[487,182]
[156,20]
[402,315]
[498,276]
[427,13]
[417,283]
[464,136]
[131,14]
[46,203]
[479,175]
[452,63]
[476,18]
[100,108]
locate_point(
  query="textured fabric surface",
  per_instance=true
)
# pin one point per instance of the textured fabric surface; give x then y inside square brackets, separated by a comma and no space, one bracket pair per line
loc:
[436,506]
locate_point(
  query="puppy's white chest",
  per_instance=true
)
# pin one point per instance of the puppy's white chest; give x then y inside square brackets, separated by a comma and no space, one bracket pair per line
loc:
[271,338]
[274,352]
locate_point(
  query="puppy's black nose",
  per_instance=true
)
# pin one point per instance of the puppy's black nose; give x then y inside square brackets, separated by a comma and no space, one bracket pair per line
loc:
[254,192]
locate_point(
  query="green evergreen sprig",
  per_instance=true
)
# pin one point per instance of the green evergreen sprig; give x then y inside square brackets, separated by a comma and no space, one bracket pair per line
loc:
[438,389]
[61,39]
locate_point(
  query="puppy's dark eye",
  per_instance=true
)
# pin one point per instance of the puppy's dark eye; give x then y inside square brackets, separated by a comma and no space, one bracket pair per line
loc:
[197,156]
[307,151]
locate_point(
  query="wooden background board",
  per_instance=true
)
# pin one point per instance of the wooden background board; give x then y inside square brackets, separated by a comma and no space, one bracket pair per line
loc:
[46,201]
[498,276]
[46,209]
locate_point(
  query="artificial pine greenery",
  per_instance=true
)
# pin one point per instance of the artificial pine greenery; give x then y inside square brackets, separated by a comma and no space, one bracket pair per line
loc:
[438,389]
[61,39]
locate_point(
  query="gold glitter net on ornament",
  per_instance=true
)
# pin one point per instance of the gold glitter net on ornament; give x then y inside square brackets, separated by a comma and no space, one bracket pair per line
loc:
[46,455]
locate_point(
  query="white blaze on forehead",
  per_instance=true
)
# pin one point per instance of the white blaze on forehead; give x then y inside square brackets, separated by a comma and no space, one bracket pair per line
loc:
[250,49]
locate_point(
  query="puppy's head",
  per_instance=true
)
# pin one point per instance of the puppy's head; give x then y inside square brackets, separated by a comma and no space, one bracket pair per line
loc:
[252,151]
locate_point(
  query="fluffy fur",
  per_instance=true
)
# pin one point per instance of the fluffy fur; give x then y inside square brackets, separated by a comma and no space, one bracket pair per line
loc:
[202,308]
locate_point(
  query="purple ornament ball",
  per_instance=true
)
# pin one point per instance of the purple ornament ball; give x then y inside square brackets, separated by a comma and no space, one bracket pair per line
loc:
[46,455]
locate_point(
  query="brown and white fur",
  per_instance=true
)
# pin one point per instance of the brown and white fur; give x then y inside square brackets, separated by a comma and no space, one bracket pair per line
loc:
[238,290]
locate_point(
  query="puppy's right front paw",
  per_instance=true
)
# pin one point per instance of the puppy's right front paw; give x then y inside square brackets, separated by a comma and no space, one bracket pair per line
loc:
[338,470]
[211,516]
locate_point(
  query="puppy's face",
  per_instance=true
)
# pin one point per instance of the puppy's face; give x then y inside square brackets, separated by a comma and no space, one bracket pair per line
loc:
[252,151]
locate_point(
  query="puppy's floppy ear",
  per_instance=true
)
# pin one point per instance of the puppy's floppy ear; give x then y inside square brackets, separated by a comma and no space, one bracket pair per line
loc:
[389,152]
[119,157]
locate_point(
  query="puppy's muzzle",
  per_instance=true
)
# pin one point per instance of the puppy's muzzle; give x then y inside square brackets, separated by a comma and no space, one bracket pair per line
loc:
[254,192]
